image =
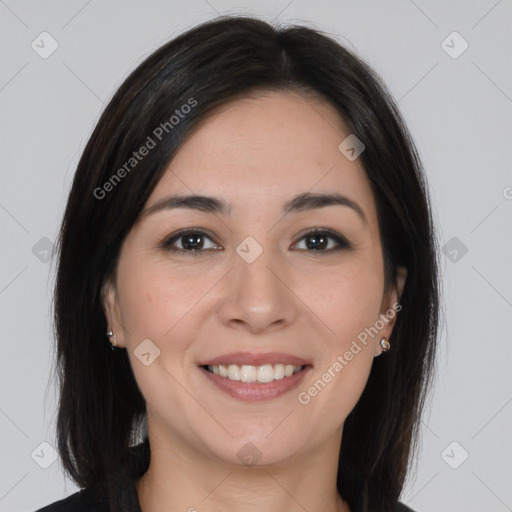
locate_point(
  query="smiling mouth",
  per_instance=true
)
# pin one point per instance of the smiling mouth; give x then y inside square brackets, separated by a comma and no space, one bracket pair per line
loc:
[248,373]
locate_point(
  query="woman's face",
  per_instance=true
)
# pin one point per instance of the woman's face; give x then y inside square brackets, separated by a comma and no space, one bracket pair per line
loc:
[255,285]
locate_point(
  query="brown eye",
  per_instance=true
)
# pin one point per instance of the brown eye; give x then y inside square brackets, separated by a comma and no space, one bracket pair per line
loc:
[191,241]
[318,241]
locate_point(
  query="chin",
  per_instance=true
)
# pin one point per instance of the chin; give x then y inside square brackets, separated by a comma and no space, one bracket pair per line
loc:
[253,452]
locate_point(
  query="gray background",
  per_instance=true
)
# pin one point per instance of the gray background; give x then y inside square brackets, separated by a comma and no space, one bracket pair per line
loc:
[459,112]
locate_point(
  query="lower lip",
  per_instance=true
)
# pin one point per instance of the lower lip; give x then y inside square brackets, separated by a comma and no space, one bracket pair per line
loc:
[256,391]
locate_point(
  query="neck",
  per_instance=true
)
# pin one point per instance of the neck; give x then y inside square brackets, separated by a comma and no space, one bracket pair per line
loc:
[181,478]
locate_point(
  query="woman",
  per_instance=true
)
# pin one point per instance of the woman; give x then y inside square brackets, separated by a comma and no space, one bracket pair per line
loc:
[249,227]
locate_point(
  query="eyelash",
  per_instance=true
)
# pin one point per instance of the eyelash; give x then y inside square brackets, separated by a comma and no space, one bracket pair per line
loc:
[339,239]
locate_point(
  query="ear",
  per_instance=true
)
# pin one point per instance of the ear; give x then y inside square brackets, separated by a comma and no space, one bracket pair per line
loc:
[110,305]
[390,307]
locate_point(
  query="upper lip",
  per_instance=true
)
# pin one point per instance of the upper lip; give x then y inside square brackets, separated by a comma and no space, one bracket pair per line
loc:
[255,359]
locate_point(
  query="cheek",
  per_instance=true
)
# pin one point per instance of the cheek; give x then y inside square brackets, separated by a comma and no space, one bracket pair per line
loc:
[154,300]
[157,304]
[347,300]
[349,305]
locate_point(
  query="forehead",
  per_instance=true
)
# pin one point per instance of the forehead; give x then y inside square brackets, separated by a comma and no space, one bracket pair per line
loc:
[265,149]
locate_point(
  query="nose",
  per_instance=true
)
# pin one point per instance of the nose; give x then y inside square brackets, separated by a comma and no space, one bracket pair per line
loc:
[258,296]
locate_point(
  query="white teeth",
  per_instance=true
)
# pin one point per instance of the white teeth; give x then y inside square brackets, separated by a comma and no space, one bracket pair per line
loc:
[248,373]
[233,372]
[288,370]
[278,371]
[265,373]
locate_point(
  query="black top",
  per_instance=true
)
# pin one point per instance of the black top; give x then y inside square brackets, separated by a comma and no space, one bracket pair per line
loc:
[87,500]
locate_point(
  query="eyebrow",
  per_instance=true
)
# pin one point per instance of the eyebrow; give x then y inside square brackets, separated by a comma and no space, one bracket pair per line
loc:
[299,203]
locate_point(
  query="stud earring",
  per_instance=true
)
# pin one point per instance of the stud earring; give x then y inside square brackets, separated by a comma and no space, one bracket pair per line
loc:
[111,334]
[384,343]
